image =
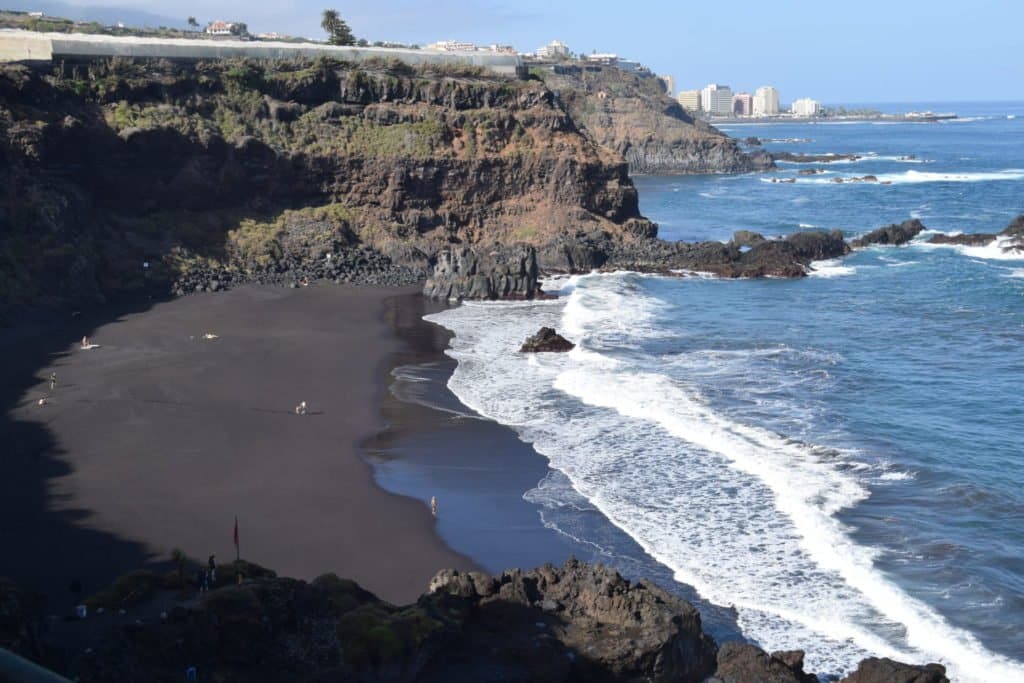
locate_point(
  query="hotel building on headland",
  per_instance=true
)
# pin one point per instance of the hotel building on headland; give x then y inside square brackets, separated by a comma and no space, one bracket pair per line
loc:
[766,101]
[805,107]
[689,100]
[716,99]
[556,49]
[603,58]
[742,104]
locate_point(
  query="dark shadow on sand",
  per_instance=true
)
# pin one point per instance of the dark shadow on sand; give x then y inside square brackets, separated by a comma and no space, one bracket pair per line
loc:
[44,549]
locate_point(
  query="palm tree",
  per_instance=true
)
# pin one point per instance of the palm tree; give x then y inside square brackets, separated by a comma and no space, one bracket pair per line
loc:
[329,21]
[193,23]
[338,32]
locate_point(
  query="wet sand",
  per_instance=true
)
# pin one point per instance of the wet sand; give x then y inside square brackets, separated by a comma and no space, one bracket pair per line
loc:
[158,438]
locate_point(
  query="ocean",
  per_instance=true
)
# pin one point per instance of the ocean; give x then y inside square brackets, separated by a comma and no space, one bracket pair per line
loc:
[834,460]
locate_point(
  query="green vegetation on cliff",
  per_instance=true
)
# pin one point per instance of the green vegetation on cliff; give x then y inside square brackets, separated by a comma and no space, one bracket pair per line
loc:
[252,167]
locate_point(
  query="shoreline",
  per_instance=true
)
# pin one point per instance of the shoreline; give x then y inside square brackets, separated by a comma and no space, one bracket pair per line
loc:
[481,472]
[158,438]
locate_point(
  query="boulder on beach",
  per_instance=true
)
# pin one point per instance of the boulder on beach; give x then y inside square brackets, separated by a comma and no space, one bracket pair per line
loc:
[546,340]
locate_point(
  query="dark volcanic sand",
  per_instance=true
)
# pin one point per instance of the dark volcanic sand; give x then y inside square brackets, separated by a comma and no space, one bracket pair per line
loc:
[159,438]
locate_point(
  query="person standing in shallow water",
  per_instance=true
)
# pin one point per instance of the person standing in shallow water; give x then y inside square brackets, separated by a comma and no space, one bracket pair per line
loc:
[53,381]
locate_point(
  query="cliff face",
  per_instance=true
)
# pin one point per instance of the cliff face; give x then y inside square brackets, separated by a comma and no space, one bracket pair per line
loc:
[116,174]
[631,114]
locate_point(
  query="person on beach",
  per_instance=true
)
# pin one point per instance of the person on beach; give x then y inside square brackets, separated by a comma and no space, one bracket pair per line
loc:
[300,409]
[433,505]
[85,342]
[212,565]
[202,581]
[53,381]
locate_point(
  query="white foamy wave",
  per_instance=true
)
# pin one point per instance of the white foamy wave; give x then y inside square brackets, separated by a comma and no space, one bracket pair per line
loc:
[742,513]
[1016,273]
[899,159]
[1000,249]
[913,177]
[897,476]
[806,225]
[831,268]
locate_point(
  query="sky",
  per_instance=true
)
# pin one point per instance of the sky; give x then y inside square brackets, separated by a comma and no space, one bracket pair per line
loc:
[836,52]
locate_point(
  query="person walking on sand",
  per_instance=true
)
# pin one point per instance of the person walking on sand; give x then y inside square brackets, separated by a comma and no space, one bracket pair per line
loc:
[53,381]
[212,565]
[433,505]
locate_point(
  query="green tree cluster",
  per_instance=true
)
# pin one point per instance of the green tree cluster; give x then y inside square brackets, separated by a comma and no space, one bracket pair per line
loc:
[338,32]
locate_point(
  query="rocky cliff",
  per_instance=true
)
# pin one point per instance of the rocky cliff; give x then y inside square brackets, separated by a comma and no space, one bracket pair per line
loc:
[569,623]
[117,175]
[513,273]
[631,114]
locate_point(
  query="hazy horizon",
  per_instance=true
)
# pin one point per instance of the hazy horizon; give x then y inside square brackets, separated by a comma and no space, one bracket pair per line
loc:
[872,51]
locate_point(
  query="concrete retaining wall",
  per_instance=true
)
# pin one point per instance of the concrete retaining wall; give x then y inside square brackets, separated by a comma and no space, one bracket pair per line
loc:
[19,46]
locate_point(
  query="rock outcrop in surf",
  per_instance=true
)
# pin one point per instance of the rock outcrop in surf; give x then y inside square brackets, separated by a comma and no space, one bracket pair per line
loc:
[546,340]
[896,234]
[1010,238]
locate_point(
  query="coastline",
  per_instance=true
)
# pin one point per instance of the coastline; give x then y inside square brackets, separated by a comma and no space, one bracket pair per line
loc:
[484,475]
[158,438]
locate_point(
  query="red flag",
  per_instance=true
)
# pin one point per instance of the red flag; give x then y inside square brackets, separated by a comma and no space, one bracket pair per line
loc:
[236,536]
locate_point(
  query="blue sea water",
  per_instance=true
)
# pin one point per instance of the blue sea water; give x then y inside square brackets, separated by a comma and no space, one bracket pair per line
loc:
[837,458]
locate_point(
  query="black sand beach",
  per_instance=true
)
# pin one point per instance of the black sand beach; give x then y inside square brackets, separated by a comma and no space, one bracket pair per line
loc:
[159,437]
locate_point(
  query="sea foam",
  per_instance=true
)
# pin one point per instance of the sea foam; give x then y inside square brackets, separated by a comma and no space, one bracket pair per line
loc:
[912,177]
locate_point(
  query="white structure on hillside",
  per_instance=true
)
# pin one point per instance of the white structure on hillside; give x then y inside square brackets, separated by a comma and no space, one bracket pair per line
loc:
[716,99]
[220,28]
[556,49]
[689,100]
[805,107]
[766,101]
[670,84]
[604,58]
[34,47]
[452,46]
